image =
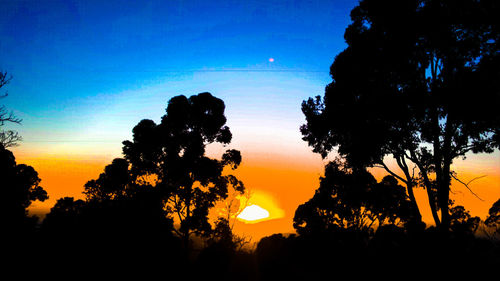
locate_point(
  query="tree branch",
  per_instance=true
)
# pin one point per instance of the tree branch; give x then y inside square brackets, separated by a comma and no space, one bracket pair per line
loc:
[9,138]
[467,184]
[383,165]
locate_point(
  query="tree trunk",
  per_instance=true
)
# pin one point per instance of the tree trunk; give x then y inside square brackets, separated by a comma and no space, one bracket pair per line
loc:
[187,219]
[415,210]
[409,187]
[428,185]
[445,179]
[432,203]
[444,198]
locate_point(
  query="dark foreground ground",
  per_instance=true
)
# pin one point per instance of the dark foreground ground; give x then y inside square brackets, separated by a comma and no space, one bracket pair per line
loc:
[392,254]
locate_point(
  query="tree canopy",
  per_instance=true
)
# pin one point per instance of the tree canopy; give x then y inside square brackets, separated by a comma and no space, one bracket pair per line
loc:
[493,219]
[113,183]
[172,155]
[20,187]
[352,200]
[417,82]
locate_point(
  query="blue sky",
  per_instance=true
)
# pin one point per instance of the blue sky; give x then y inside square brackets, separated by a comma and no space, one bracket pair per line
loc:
[90,70]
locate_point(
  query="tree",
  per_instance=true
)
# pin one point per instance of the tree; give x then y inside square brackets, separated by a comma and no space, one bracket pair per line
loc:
[418,82]
[8,138]
[171,155]
[493,219]
[20,187]
[352,200]
[462,222]
[116,200]
[115,182]
[65,215]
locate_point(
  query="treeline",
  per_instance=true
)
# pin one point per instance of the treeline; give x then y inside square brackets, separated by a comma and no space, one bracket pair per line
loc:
[353,225]
[143,211]
[148,214]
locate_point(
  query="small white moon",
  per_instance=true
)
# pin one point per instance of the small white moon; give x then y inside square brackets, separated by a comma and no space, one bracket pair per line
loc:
[271,59]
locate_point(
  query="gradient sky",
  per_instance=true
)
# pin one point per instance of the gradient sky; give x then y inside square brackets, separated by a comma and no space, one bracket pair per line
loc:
[85,72]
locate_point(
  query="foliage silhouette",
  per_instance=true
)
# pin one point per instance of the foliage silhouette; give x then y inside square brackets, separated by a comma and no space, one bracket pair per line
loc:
[493,219]
[8,138]
[122,236]
[461,222]
[418,83]
[390,252]
[352,200]
[65,215]
[173,153]
[112,184]
[20,187]
[126,219]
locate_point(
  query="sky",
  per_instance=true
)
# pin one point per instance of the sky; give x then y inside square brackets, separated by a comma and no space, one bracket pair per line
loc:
[86,72]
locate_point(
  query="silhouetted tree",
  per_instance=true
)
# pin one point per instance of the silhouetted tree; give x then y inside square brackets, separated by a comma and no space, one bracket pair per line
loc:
[172,156]
[65,215]
[113,183]
[273,257]
[390,203]
[118,201]
[418,82]
[119,236]
[8,138]
[493,219]
[461,222]
[222,234]
[19,188]
[352,200]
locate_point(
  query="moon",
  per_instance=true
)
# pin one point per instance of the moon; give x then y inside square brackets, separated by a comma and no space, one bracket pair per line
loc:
[271,59]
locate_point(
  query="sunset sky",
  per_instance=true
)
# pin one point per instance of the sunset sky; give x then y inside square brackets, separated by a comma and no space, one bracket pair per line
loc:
[86,72]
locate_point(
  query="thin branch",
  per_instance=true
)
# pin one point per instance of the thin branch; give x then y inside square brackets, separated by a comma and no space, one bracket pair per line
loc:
[476,178]
[467,184]
[4,80]
[177,232]
[8,116]
[9,138]
[383,165]
[461,151]
[413,171]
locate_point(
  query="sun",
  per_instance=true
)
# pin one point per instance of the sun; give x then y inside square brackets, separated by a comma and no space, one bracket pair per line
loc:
[260,206]
[253,213]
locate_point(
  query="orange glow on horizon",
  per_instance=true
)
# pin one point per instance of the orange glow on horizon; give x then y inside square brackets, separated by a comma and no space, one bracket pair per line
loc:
[278,182]
[61,176]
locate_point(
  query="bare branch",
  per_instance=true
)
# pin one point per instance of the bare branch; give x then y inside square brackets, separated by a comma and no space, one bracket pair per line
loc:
[383,165]
[467,184]
[9,138]
[4,80]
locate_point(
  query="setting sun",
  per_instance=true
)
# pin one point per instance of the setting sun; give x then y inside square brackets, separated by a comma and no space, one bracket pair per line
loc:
[253,213]
[260,207]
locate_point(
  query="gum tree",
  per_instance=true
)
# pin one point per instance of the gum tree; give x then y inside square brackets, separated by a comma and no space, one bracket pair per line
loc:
[418,82]
[171,156]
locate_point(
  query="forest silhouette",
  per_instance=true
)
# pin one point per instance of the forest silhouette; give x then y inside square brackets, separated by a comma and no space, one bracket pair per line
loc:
[418,83]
